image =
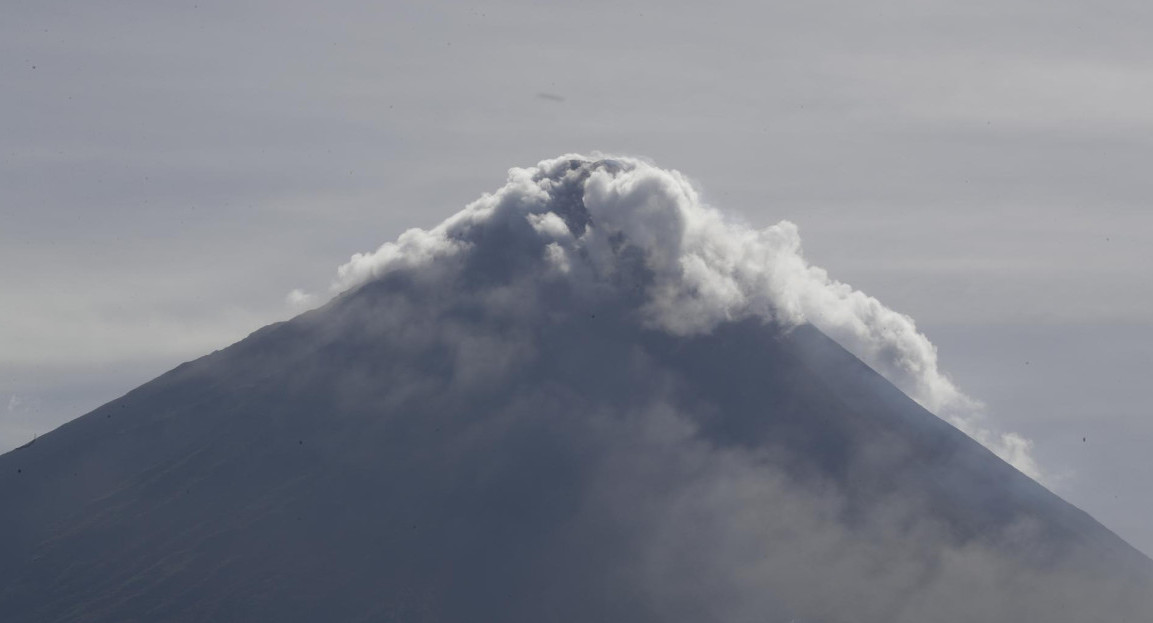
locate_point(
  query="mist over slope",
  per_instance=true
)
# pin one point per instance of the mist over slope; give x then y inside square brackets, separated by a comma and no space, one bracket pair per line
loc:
[585,397]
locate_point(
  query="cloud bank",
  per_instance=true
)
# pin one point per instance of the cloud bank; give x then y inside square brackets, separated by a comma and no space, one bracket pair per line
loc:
[705,269]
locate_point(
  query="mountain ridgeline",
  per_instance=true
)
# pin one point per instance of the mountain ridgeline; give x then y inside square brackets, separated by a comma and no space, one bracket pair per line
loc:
[493,426]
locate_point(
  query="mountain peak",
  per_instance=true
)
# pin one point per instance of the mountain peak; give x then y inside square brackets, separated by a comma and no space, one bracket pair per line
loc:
[624,229]
[587,396]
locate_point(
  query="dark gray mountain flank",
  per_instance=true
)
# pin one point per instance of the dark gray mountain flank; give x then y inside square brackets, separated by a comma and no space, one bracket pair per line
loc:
[473,439]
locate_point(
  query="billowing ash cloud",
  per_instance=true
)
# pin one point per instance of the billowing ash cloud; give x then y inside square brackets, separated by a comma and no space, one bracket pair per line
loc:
[702,268]
[585,397]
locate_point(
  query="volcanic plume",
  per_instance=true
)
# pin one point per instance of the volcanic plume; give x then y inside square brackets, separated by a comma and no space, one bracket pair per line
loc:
[587,396]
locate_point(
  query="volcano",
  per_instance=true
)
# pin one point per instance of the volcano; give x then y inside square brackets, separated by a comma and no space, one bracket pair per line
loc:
[586,397]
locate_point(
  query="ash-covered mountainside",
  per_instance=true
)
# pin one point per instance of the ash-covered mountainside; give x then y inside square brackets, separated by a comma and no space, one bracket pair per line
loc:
[586,397]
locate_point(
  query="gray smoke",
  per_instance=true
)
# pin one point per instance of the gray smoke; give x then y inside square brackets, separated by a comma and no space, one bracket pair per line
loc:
[585,397]
[684,526]
[706,269]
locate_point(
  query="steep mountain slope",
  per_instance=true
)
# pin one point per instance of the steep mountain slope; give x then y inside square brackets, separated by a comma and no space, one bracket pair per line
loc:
[470,437]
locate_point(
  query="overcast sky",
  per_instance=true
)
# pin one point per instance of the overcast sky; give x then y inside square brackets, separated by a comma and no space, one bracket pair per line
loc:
[169,173]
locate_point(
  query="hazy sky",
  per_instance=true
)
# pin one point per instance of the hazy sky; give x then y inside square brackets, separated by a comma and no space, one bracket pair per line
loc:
[169,173]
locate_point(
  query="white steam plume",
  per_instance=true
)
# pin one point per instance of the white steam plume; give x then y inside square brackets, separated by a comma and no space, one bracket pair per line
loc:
[705,269]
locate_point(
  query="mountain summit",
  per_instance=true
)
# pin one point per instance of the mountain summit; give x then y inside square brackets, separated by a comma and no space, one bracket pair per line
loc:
[586,397]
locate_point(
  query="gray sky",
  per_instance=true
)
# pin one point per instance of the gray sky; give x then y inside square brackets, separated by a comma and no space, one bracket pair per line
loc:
[169,173]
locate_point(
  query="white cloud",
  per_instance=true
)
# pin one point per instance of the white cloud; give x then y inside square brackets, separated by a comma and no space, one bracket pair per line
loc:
[705,269]
[299,299]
